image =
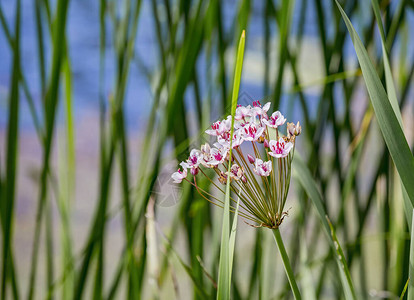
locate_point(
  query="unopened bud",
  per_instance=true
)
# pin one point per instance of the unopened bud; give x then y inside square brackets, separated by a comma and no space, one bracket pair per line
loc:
[298,129]
[266,143]
[293,130]
[194,171]
[290,129]
[251,159]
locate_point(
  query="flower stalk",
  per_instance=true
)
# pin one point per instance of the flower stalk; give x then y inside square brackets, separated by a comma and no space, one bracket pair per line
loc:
[286,263]
[253,159]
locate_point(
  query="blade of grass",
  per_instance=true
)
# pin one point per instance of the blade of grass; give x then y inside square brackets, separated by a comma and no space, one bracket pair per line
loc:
[124,55]
[23,80]
[222,50]
[50,107]
[64,211]
[40,45]
[392,95]
[49,245]
[396,243]
[256,264]
[199,288]
[67,174]
[405,290]
[186,59]
[224,276]
[195,229]
[308,286]
[303,175]
[411,266]
[233,232]
[12,151]
[285,14]
[123,157]
[387,120]
[341,256]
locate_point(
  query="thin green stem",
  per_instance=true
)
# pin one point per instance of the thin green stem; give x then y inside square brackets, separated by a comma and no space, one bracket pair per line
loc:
[286,263]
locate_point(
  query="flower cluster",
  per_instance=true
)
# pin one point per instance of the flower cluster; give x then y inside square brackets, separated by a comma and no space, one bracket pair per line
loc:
[261,177]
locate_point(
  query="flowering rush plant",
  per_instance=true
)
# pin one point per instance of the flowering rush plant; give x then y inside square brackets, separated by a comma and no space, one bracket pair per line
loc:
[260,163]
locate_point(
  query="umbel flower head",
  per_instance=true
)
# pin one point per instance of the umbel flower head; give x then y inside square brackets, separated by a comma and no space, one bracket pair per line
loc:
[260,165]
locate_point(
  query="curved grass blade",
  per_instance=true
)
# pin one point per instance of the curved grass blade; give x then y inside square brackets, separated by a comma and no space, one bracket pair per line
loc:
[405,290]
[29,98]
[341,257]
[285,15]
[387,119]
[411,266]
[308,286]
[303,175]
[224,277]
[199,288]
[392,95]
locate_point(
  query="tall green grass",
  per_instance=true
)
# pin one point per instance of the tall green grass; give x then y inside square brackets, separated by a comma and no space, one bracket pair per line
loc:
[352,182]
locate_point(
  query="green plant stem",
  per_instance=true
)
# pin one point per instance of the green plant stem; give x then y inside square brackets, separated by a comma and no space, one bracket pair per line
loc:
[286,263]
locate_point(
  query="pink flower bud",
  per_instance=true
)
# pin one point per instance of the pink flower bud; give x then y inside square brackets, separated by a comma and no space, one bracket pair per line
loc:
[251,158]
[266,144]
[194,171]
[244,179]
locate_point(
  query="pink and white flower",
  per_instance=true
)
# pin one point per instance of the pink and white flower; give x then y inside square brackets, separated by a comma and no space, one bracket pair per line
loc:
[251,124]
[179,175]
[218,155]
[252,132]
[275,120]
[220,127]
[258,110]
[280,148]
[262,168]
[205,149]
[206,152]
[224,140]
[236,172]
[194,160]
[243,112]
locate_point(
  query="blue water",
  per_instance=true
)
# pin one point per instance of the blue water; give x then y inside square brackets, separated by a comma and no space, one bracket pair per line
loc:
[83,35]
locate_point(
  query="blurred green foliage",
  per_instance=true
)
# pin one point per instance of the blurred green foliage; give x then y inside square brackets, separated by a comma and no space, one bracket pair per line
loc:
[338,147]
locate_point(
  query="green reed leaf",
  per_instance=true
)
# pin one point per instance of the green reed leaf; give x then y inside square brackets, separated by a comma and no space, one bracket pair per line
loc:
[233,232]
[385,114]
[392,95]
[405,290]
[200,290]
[349,293]
[411,266]
[303,175]
[8,197]
[224,276]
